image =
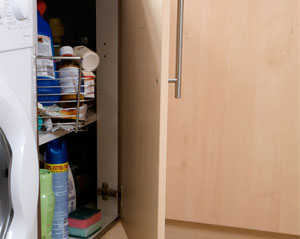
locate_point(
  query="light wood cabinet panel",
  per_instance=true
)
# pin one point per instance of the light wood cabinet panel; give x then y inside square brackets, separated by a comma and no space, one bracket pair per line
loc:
[143,87]
[233,155]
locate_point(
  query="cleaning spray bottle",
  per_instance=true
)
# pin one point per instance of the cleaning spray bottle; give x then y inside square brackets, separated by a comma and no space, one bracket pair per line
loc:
[56,160]
[47,202]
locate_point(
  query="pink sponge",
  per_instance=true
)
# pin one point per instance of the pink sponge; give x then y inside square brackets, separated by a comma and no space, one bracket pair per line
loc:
[84,217]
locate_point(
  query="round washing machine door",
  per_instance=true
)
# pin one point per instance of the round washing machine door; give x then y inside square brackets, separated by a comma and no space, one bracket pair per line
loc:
[6,210]
[19,170]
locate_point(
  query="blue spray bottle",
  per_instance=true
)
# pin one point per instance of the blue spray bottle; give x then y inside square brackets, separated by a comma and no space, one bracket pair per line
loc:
[56,160]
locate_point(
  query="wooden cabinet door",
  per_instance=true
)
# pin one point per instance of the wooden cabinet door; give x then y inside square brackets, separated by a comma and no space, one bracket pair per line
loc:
[233,155]
[143,87]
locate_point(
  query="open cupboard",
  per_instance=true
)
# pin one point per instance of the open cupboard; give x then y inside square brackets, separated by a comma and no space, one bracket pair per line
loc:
[95,166]
[125,161]
[233,162]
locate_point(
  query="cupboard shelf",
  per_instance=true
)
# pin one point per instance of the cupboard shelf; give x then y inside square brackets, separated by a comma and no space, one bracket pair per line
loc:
[45,138]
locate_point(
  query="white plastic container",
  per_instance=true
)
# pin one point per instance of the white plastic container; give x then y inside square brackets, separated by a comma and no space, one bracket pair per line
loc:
[71,191]
[90,59]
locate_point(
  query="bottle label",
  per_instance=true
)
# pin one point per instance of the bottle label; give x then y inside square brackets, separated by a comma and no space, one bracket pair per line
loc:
[60,189]
[45,67]
[66,229]
[57,168]
[69,77]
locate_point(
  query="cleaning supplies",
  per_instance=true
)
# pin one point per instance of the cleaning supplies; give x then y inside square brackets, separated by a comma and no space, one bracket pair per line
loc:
[84,222]
[56,160]
[66,229]
[69,72]
[84,217]
[85,233]
[40,122]
[90,59]
[71,191]
[47,202]
[58,32]
[41,7]
[89,84]
[46,67]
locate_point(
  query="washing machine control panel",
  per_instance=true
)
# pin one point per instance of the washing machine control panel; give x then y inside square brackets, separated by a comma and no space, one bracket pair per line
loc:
[17,24]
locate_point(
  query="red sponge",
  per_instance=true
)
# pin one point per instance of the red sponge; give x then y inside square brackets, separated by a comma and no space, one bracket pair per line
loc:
[84,217]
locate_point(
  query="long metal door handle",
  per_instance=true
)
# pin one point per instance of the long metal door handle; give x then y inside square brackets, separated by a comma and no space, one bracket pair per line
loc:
[178,78]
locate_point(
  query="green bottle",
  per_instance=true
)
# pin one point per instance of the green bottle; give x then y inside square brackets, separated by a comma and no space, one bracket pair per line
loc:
[47,202]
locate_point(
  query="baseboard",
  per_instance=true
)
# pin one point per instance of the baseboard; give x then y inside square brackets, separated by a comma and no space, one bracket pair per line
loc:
[185,230]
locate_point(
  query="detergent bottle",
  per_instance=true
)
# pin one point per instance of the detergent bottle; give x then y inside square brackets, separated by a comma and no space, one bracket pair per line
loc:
[46,67]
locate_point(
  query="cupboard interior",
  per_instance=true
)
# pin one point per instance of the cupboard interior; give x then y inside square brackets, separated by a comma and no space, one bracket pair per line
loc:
[93,154]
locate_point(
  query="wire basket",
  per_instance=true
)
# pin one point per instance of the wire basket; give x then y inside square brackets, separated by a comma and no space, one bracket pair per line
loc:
[54,112]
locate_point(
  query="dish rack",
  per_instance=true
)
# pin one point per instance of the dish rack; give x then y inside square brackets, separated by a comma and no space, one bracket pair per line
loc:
[53,115]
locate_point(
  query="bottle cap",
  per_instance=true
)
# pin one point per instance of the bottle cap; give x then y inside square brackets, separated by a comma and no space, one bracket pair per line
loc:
[56,152]
[42,7]
[66,50]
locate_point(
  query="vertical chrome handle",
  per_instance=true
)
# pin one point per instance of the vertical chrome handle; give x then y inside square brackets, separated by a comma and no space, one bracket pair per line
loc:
[178,78]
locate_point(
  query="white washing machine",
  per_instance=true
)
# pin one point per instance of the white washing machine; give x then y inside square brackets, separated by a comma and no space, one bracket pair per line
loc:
[19,172]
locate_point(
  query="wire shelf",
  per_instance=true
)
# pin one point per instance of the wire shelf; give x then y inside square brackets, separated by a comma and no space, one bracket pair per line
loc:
[63,95]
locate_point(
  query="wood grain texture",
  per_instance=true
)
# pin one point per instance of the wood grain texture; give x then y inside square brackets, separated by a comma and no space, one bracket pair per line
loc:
[144,47]
[233,138]
[185,230]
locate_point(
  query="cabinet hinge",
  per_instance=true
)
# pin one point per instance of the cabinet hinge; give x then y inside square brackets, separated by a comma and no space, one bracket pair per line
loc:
[106,192]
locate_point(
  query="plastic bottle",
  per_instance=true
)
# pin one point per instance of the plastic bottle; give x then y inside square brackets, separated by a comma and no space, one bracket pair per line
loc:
[58,32]
[90,59]
[56,160]
[71,192]
[46,67]
[47,202]
[69,75]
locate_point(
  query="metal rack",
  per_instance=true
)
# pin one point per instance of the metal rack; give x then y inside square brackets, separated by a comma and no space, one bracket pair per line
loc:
[73,123]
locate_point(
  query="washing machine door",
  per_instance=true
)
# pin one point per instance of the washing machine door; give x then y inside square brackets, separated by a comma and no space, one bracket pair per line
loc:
[6,210]
[19,173]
